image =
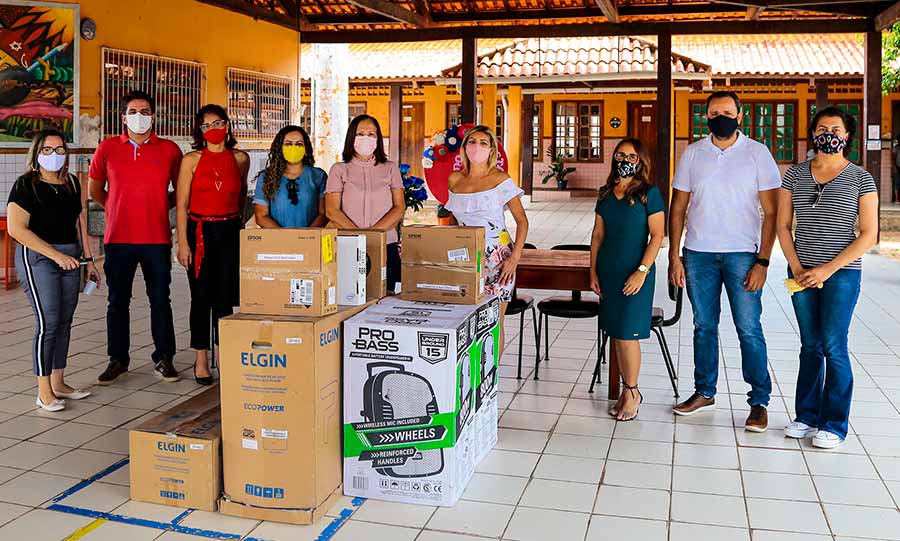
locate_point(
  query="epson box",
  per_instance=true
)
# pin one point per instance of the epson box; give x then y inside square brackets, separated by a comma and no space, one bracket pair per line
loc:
[420,408]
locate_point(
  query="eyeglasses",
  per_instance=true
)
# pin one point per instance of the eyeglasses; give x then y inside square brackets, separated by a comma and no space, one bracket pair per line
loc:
[621,156]
[816,199]
[216,124]
[46,151]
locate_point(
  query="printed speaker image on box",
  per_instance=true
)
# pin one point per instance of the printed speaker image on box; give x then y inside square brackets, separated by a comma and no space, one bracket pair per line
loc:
[417,416]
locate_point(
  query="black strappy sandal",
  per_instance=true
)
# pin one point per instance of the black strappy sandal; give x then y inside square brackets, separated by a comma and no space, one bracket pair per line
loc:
[632,389]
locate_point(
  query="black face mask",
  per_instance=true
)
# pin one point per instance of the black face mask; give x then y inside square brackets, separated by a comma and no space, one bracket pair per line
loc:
[627,169]
[722,126]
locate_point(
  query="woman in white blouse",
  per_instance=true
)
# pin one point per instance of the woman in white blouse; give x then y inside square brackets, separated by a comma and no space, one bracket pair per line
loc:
[480,194]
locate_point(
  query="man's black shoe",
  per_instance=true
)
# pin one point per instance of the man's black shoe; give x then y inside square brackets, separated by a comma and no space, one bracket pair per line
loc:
[165,370]
[113,371]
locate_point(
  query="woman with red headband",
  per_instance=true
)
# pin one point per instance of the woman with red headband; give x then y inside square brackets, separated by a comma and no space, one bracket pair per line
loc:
[212,188]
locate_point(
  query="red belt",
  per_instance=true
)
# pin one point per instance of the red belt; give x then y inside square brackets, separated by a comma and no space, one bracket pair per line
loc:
[200,249]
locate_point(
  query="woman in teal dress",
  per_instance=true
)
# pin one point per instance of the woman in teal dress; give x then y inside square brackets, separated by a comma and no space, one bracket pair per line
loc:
[628,231]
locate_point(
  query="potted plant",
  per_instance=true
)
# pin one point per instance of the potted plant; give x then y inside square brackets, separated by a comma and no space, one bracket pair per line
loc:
[558,170]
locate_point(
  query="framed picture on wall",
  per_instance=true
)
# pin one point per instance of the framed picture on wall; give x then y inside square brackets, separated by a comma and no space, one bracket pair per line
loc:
[39,73]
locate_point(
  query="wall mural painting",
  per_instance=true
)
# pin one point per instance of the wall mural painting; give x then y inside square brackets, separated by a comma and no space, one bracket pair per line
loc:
[38,70]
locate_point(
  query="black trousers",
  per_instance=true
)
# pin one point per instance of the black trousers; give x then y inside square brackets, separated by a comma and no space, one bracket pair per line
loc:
[393,266]
[120,264]
[215,290]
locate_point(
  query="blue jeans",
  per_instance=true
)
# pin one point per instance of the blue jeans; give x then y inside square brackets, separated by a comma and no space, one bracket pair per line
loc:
[825,381]
[706,273]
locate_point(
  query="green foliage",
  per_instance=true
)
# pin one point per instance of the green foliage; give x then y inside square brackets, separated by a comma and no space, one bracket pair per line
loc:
[558,169]
[890,62]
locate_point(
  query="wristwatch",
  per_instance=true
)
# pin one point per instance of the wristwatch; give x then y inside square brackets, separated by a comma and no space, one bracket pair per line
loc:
[762,262]
[644,268]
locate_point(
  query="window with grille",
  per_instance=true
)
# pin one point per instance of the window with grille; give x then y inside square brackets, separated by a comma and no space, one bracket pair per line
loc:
[853,108]
[578,130]
[773,124]
[179,87]
[259,104]
[306,117]
[356,109]
[537,135]
[454,118]
[499,122]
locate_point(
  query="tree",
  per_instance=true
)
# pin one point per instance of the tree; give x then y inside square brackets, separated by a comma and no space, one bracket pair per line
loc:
[890,62]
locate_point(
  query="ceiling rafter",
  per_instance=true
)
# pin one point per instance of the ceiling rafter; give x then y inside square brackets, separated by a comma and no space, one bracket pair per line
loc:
[888,17]
[753,13]
[395,12]
[609,9]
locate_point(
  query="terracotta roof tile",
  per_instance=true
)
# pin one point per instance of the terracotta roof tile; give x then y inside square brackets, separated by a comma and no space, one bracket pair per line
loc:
[575,56]
[781,54]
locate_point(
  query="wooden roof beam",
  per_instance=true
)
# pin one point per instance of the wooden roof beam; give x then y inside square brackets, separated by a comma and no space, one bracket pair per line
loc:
[609,9]
[256,12]
[753,13]
[888,17]
[395,12]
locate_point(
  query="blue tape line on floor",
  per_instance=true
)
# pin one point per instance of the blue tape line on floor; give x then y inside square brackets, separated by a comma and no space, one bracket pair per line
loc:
[179,518]
[167,526]
[87,482]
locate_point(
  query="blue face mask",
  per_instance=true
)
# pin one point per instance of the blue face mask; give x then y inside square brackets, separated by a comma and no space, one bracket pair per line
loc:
[829,143]
[627,169]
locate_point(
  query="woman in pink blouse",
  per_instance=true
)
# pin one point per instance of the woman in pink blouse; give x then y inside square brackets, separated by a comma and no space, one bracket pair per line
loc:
[365,191]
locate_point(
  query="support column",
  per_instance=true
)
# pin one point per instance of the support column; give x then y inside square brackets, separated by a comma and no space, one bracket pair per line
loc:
[821,95]
[525,123]
[330,101]
[514,151]
[489,108]
[396,123]
[469,86]
[872,114]
[663,165]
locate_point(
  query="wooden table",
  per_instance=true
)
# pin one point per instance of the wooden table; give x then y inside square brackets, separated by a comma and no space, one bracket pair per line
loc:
[563,270]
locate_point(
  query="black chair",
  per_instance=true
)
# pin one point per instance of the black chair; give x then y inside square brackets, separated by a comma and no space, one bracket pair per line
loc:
[573,307]
[658,322]
[519,305]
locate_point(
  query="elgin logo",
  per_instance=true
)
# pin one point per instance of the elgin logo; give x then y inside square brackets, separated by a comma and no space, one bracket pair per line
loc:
[263,360]
[328,337]
[383,340]
[171,446]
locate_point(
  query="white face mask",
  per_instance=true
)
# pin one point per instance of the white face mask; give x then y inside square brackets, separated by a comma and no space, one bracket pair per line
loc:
[138,123]
[53,162]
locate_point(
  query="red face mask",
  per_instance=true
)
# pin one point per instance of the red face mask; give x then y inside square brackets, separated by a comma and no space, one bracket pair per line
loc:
[215,135]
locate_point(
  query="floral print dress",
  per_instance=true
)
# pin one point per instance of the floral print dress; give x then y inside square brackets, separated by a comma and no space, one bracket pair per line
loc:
[487,209]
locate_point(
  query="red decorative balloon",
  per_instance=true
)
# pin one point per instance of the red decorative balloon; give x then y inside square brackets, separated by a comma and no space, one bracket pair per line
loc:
[437,175]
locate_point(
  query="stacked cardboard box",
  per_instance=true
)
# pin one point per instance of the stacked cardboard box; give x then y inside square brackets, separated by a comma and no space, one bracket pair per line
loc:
[175,458]
[420,398]
[443,264]
[376,261]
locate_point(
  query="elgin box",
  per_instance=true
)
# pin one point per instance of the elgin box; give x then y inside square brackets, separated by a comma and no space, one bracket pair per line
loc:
[351,289]
[175,457]
[281,422]
[443,264]
[376,261]
[420,406]
[289,271]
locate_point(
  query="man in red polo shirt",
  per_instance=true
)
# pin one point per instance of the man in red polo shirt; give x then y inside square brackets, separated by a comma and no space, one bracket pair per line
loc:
[130,176]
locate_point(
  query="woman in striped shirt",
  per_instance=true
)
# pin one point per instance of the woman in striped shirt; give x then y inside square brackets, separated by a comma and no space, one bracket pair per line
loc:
[829,195]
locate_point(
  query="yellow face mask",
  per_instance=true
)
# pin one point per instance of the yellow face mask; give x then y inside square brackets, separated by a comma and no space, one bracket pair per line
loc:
[293,153]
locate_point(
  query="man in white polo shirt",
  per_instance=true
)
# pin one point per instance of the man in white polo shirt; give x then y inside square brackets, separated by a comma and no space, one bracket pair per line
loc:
[721,182]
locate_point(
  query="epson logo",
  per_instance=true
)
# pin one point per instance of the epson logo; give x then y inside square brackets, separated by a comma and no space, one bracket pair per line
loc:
[267,408]
[328,337]
[383,340]
[263,360]
[170,495]
[171,446]
[254,237]
[275,493]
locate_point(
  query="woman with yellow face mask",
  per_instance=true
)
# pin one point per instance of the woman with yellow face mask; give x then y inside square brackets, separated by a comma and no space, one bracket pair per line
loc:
[290,192]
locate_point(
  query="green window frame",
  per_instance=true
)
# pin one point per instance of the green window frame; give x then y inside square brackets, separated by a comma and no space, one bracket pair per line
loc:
[772,123]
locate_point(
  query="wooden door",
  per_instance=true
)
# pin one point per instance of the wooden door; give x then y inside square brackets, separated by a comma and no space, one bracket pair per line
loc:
[413,137]
[642,125]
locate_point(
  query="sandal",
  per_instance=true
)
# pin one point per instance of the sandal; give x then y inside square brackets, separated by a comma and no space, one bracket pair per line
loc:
[632,389]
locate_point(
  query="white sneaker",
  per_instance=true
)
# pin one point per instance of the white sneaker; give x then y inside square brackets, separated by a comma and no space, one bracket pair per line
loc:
[56,405]
[826,440]
[799,430]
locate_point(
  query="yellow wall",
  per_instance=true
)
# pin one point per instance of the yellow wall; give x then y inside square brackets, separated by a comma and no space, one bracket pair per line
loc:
[186,30]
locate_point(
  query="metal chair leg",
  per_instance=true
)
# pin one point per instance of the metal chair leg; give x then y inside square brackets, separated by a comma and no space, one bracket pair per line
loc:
[521,339]
[546,337]
[601,359]
[667,357]
[537,335]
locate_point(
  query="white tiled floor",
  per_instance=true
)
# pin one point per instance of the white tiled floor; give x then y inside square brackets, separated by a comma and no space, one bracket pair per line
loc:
[562,470]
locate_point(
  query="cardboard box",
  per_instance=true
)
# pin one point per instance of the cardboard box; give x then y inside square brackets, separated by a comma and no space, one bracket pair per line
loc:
[289,271]
[351,270]
[290,516]
[175,458]
[281,424]
[376,261]
[443,264]
[420,398]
